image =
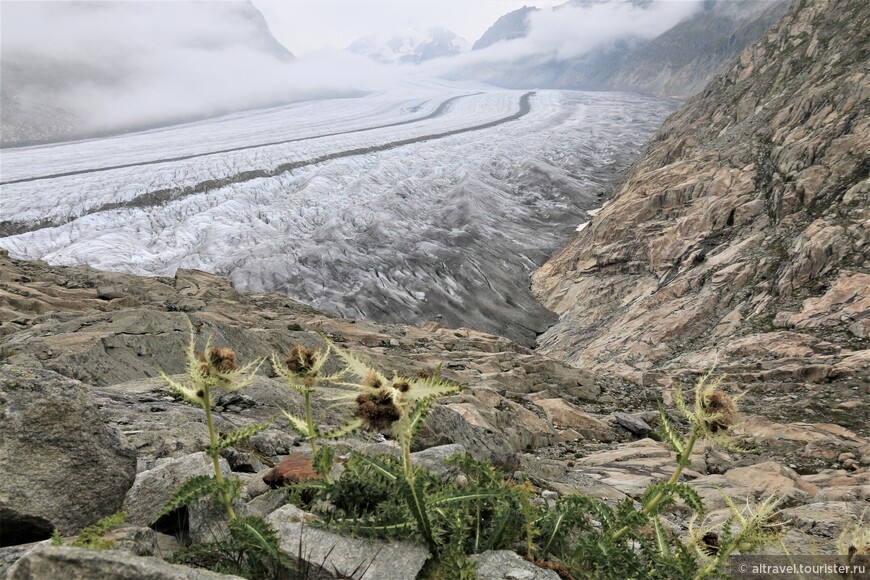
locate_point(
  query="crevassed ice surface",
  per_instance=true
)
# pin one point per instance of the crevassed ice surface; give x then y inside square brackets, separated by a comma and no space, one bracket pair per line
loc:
[434,202]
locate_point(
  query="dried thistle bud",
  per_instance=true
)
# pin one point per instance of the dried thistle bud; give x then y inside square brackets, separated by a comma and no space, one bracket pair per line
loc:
[720,411]
[372,381]
[220,360]
[402,386]
[378,411]
[301,360]
[710,543]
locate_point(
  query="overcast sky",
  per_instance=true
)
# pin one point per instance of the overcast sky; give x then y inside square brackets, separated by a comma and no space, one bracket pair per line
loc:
[306,26]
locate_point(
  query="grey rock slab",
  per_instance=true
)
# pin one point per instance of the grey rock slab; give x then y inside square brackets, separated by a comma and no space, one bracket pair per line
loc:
[343,555]
[446,425]
[83,564]
[61,466]
[632,423]
[507,565]
[154,487]
[434,459]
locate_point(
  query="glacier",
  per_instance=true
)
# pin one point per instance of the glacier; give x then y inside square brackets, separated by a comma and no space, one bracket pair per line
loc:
[429,201]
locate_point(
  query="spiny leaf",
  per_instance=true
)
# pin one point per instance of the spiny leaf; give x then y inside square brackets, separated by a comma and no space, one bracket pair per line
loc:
[670,435]
[193,489]
[256,533]
[345,429]
[297,424]
[322,460]
[354,364]
[415,497]
[388,471]
[92,536]
[238,436]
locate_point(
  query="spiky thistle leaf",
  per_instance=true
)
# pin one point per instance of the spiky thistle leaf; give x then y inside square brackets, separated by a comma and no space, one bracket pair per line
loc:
[669,434]
[238,436]
[345,429]
[297,424]
[191,490]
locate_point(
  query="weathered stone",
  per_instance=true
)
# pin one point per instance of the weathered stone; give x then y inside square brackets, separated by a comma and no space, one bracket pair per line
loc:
[433,460]
[61,466]
[155,487]
[208,521]
[266,503]
[772,479]
[344,555]
[294,468]
[632,423]
[744,223]
[507,565]
[456,424]
[139,541]
[84,564]
[827,519]
[564,414]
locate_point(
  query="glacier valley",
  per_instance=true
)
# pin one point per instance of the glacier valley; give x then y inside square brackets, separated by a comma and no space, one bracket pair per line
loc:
[429,201]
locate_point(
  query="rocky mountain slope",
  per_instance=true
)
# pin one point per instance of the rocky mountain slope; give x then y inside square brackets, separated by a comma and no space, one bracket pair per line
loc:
[81,348]
[741,237]
[677,63]
[508,27]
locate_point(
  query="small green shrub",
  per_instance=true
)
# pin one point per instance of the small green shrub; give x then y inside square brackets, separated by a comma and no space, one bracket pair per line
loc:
[92,536]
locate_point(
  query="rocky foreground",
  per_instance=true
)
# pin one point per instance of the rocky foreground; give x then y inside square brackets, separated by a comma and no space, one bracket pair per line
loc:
[87,428]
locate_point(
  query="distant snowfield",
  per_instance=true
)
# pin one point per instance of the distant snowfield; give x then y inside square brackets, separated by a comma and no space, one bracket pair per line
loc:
[434,202]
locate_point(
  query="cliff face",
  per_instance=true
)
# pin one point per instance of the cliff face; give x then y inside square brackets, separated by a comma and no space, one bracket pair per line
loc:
[682,60]
[742,233]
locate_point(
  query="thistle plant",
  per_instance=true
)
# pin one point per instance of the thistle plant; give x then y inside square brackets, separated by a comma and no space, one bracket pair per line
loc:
[710,418]
[209,370]
[596,540]
[745,530]
[397,405]
[302,370]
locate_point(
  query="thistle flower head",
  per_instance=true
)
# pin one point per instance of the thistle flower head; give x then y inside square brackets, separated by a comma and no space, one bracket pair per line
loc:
[719,411]
[377,411]
[212,367]
[301,369]
[302,361]
[383,403]
[854,541]
[713,414]
[218,361]
[745,529]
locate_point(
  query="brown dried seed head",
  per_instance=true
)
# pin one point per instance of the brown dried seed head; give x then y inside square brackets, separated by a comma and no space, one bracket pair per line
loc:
[373,381]
[301,360]
[721,411]
[222,360]
[377,411]
[402,386]
[710,543]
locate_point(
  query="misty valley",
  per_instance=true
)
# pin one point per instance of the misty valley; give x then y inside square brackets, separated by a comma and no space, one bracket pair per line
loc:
[435,202]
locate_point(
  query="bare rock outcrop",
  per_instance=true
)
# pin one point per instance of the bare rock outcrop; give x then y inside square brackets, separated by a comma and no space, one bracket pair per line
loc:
[61,466]
[741,236]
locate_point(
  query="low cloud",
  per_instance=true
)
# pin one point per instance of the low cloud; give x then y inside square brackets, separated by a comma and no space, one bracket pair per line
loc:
[104,66]
[572,30]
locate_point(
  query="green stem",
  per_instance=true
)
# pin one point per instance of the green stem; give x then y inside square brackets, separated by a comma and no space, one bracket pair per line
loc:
[682,462]
[418,507]
[309,421]
[212,436]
